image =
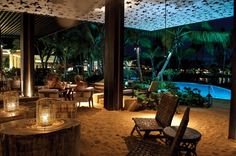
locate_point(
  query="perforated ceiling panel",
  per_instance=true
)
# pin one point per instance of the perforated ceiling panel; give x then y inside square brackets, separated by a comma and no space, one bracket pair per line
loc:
[139,14]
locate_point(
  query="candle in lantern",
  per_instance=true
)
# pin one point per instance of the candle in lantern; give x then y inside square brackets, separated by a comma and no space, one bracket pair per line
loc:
[45,111]
[45,116]
[11,101]
[11,106]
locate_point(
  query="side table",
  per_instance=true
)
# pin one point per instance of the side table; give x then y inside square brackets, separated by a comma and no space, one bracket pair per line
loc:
[189,141]
[24,138]
[15,115]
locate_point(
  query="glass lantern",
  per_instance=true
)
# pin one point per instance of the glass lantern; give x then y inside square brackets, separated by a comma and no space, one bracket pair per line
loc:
[11,101]
[45,111]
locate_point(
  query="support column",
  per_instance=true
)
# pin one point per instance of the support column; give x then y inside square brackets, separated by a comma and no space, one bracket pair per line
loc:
[27,55]
[114,49]
[232,119]
[0,49]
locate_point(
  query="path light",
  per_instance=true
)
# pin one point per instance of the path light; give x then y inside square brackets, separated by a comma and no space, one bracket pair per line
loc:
[45,112]
[209,97]
[11,101]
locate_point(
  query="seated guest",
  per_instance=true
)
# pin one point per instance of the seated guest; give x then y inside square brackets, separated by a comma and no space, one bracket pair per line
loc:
[80,84]
[56,84]
[49,80]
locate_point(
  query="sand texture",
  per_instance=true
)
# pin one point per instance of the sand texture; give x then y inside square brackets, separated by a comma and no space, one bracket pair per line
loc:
[107,133]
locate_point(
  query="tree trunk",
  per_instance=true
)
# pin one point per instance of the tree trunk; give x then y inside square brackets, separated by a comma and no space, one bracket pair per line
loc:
[65,62]
[160,74]
[153,69]
[138,64]
[0,56]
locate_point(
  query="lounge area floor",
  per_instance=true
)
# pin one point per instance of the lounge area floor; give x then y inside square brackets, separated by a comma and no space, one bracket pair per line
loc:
[105,133]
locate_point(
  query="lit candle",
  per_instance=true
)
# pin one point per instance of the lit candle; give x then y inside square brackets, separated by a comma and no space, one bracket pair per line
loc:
[11,106]
[45,118]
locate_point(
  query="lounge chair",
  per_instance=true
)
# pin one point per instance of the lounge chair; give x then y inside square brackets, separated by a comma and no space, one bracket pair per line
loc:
[84,95]
[145,147]
[165,112]
[152,88]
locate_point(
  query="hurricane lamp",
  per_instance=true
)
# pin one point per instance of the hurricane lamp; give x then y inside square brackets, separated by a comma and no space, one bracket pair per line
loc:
[45,112]
[10,101]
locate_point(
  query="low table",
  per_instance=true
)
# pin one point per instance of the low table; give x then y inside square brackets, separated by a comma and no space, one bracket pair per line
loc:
[14,115]
[24,138]
[188,143]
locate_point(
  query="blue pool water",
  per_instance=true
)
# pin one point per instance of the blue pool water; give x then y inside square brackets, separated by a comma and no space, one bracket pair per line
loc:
[215,91]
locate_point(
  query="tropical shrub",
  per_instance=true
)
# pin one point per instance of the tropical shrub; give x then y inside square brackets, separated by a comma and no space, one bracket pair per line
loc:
[146,102]
[191,97]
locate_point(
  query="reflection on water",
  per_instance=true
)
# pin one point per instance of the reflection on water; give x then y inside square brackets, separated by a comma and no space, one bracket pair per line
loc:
[215,91]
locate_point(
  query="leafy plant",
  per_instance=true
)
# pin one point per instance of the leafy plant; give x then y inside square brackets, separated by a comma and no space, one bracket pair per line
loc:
[191,97]
[146,102]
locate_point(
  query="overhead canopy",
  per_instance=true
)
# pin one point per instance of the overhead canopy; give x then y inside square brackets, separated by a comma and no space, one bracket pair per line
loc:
[10,23]
[140,14]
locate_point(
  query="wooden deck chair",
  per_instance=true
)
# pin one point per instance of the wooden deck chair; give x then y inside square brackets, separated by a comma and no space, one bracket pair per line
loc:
[145,147]
[152,88]
[164,116]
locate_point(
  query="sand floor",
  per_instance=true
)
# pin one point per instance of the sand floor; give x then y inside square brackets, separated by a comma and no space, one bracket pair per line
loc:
[107,133]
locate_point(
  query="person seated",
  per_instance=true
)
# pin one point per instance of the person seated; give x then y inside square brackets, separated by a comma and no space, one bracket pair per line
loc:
[80,84]
[48,80]
[56,84]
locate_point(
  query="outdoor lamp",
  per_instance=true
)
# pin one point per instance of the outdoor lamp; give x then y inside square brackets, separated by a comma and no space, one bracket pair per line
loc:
[209,100]
[10,101]
[45,112]
[85,65]
[209,97]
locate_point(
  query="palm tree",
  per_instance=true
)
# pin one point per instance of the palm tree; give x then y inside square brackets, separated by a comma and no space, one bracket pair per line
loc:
[137,39]
[177,41]
[195,36]
[151,54]
[94,35]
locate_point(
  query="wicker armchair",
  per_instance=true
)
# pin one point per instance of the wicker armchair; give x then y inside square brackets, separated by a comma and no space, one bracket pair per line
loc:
[148,148]
[51,93]
[85,95]
[164,115]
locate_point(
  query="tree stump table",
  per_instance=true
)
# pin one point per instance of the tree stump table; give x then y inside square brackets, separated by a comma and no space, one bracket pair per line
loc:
[15,115]
[24,138]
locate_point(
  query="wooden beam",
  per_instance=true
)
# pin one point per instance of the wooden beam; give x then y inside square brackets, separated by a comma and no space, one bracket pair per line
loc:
[113,68]
[232,118]
[27,54]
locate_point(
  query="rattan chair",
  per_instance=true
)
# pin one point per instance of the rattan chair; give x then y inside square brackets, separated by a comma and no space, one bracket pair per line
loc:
[50,93]
[147,148]
[165,112]
[85,95]
[66,109]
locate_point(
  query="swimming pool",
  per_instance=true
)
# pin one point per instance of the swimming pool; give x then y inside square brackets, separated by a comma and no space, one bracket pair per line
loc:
[215,91]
